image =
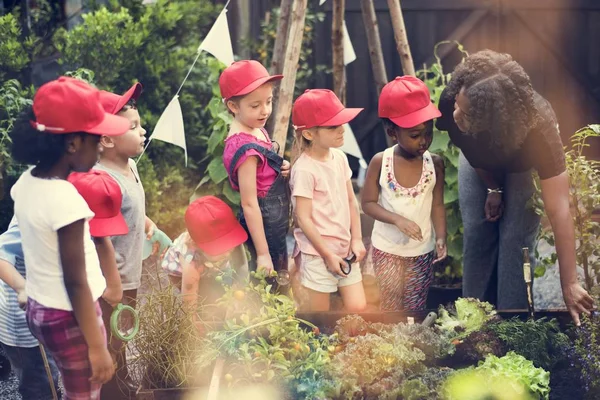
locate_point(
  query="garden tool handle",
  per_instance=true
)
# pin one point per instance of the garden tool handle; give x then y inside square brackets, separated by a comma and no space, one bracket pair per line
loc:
[114,322]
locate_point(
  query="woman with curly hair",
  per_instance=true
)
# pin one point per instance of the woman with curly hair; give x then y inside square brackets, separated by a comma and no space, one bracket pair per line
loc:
[505,131]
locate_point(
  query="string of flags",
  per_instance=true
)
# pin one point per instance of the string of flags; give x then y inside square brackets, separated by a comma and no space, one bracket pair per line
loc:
[170,127]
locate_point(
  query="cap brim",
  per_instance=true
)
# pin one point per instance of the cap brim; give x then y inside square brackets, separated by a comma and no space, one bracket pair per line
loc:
[113,226]
[258,83]
[134,92]
[112,125]
[418,117]
[343,117]
[231,240]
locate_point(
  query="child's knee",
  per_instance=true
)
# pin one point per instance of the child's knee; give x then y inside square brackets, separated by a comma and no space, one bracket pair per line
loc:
[356,306]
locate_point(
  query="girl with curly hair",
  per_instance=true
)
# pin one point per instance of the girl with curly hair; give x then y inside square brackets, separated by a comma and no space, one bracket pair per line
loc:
[505,130]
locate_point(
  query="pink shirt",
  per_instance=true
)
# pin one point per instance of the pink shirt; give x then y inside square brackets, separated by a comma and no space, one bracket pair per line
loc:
[326,184]
[265,175]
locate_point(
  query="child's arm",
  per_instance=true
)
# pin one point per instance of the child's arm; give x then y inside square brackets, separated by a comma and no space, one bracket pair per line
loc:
[252,213]
[371,207]
[12,277]
[113,293]
[305,222]
[190,279]
[356,245]
[438,210]
[72,257]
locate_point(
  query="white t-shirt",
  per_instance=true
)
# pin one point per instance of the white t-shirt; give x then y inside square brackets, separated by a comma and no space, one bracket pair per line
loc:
[42,207]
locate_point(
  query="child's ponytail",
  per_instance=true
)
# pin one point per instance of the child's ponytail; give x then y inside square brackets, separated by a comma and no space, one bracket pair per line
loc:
[299,145]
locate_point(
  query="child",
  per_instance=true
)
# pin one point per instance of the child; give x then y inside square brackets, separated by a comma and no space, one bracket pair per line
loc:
[19,345]
[325,207]
[64,280]
[404,193]
[103,196]
[204,252]
[253,165]
[116,159]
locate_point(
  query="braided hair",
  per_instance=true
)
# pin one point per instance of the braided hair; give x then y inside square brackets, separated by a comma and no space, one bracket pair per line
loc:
[501,98]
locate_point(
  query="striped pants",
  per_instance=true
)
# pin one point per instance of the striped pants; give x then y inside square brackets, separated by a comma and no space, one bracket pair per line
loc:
[403,281]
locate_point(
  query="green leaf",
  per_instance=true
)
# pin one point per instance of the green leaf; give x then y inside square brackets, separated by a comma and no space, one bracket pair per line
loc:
[216,170]
[440,142]
[215,139]
[232,196]
[450,195]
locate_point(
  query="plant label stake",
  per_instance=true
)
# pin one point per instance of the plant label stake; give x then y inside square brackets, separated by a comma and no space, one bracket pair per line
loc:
[528,281]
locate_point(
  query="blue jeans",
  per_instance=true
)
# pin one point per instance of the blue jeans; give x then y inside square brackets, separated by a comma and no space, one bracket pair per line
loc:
[28,365]
[492,251]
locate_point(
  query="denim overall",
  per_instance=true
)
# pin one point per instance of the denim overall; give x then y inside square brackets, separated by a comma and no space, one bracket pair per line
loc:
[274,207]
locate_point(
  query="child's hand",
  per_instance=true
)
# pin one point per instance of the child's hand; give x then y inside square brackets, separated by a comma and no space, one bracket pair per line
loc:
[113,294]
[149,228]
[358,249]
[441,250]
[102,364]
[335,264]
[264,262]
[22,299]
[285,168]
[409,228]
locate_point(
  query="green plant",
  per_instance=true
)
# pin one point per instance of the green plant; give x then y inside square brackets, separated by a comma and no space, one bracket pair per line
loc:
[436,80]
[470,315]
[475,384]
[126,41]
[584,179]
[14,55]
[540,341]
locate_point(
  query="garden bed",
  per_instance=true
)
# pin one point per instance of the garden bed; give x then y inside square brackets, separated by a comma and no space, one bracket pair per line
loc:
[265,344]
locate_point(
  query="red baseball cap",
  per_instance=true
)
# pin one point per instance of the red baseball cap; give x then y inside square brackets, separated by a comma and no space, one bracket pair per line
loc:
[103,195]
[243,77]
[406,101]
[213,227]
[113,103]
[321,107]
[67,105]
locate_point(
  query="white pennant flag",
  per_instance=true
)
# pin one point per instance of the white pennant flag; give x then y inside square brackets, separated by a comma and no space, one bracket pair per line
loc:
[169,127]
[321,2]
[349,54]
[351,147]
[218,41]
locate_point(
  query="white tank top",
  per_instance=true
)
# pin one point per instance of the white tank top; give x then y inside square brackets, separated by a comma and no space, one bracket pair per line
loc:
[412,203]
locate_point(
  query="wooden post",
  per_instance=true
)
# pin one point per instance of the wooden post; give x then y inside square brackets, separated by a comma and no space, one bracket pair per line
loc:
[279,50]
[374,42]
[337,41]
[290,67]
[408,67]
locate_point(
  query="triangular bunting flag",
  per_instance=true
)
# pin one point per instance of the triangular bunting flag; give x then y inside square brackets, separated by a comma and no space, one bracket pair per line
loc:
[218,41]
[349,54]
[351,147]
[169,127]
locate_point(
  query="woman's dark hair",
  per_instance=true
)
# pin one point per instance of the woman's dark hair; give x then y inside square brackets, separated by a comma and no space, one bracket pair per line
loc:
[32,147]
[501,98]
[388,125]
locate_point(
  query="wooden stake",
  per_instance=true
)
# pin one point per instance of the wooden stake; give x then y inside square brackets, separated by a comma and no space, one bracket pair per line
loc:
[279,50]
[374,42]
[337,41]
[290,67]
[408,67]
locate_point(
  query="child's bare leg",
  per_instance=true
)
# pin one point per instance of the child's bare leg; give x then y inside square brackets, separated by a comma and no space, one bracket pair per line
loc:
[317,301]
[354,297]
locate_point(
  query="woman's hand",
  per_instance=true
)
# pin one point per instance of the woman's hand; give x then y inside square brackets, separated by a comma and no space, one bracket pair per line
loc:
[494,207]
[577,300]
